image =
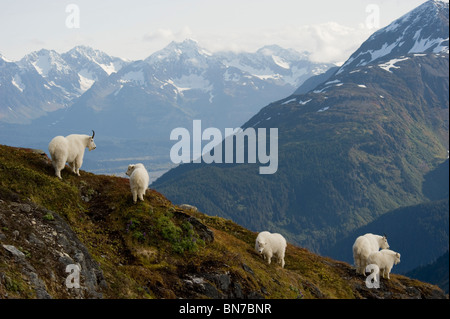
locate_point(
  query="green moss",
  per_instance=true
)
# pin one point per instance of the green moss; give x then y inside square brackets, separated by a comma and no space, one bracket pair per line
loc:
[16,286]
[49,216]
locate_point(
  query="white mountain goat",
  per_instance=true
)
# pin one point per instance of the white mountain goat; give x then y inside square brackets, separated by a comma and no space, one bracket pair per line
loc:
[364,246]
[268,245]
[385,259]
[70,149]
[139,180]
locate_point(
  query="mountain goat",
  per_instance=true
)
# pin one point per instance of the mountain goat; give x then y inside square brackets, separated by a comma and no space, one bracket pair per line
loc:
[385,259]
[364,246]
[139,180]
[69,149]
[268,244]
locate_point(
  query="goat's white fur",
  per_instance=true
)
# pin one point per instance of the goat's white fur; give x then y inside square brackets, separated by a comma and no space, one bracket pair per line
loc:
[385,259]
[139,180]
[69,149]
[268,245]
[364,246]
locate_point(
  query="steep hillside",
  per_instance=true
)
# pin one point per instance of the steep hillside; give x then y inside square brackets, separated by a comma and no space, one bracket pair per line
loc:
[150,250]
[435,272]
[420,233]
[348,152]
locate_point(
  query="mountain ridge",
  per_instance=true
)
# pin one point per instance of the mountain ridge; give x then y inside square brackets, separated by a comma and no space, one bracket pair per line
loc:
[45,81]
[403,36]
[72,73]
[145,100]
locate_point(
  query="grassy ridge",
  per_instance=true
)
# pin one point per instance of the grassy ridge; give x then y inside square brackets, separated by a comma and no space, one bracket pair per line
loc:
[157,250]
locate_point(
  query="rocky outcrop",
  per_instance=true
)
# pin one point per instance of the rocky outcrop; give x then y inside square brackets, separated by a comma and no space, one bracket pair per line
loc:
[40,245]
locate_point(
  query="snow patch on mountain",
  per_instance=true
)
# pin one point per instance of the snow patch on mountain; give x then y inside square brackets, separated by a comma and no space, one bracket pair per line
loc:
[323,109]
[422,45]
[333,82]
[281,62]
[17,82]
[85,83]
[289,101]
[109,68]
[391,64]
[192,82]
[422,30]
[45,61]
[304,102]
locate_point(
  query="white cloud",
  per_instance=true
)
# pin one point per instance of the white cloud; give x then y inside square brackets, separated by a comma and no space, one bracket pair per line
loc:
[167,34]
[136,28]
[327,42]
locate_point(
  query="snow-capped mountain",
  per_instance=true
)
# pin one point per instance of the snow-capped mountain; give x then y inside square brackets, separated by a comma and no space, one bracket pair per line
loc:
[184,74]
[415,32]
[187,53]
[142,101]
[45,81]
[91,65]
[274,62]
[26,94]
[222,89]
[55,70]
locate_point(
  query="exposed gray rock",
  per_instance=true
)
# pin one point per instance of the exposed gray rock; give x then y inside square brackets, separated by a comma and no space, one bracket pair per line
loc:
[50,243]
[14,251]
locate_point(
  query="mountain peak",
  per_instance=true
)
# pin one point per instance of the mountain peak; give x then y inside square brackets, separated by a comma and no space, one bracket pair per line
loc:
[174,50]
[186,43]
[422,30]
[44,61]
[3,58]
[88,52]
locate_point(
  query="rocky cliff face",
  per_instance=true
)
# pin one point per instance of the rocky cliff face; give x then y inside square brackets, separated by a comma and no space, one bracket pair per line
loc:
[149,250]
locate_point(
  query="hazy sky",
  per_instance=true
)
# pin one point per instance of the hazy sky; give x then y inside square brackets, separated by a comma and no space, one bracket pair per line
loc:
[134,29]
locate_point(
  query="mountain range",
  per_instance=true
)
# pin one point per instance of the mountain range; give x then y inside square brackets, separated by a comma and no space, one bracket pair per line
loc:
[138,103]
[351,149]
[45,81]
[182,75]
[183,82]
